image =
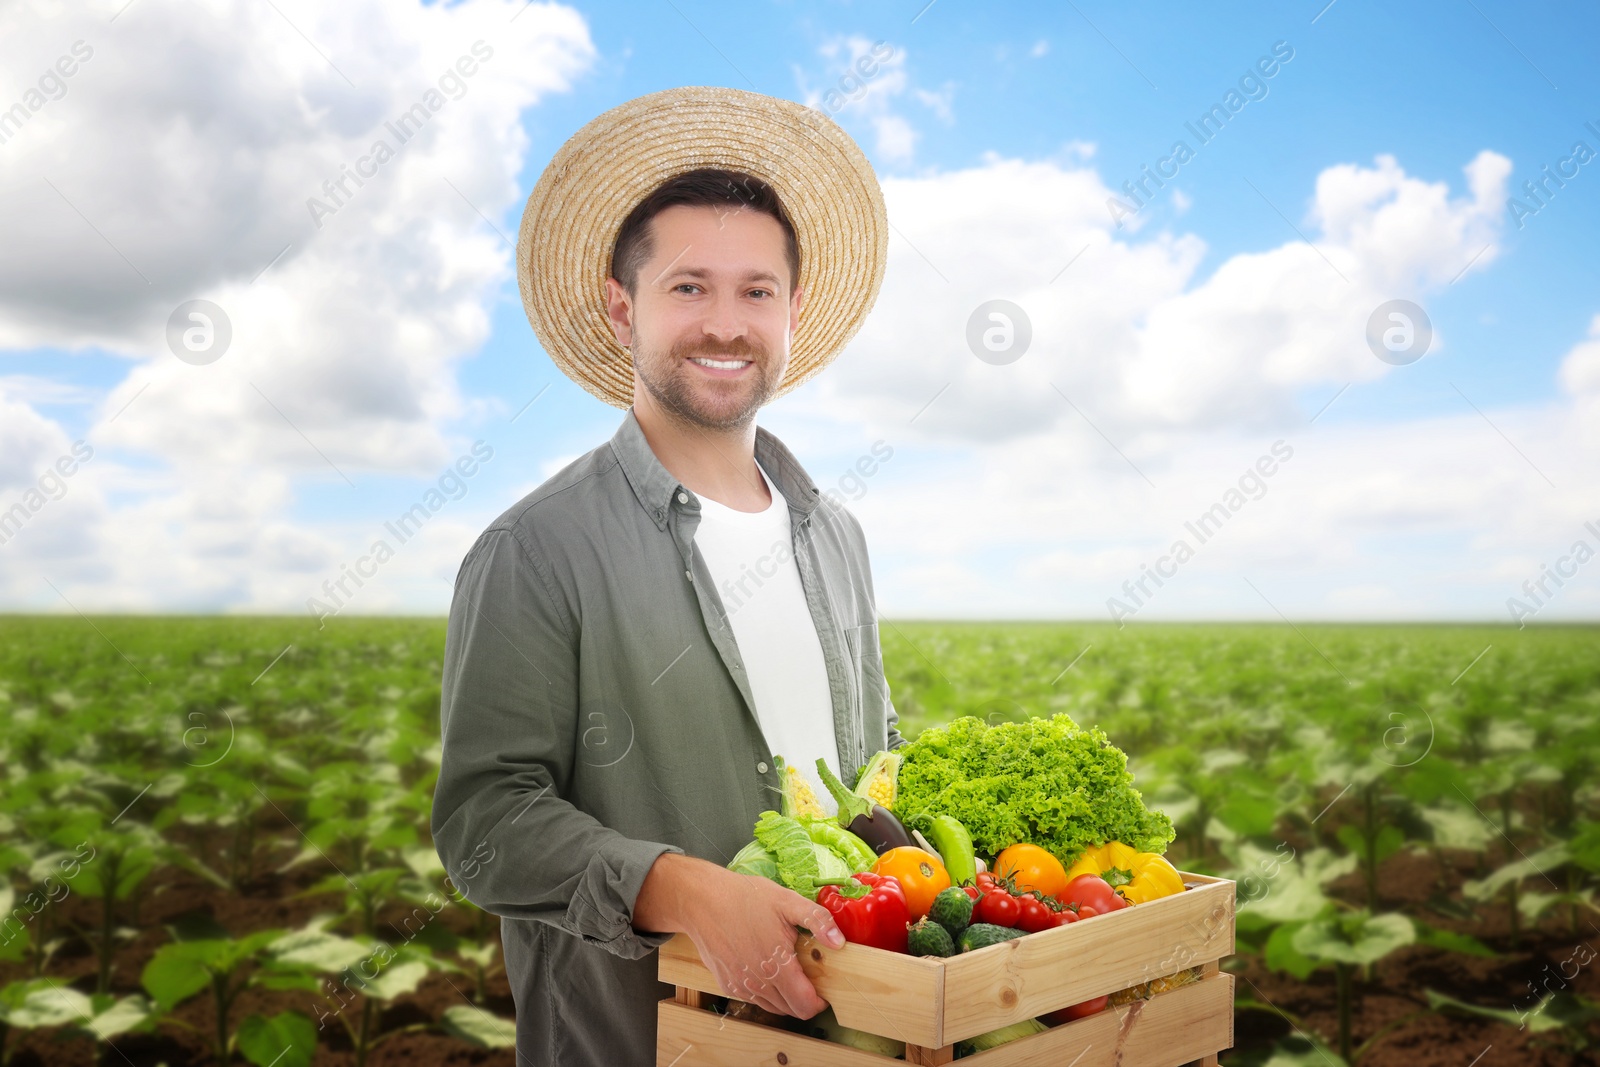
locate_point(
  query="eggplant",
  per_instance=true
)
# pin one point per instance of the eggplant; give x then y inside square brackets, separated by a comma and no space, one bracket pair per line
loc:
[873,823]
[880,830]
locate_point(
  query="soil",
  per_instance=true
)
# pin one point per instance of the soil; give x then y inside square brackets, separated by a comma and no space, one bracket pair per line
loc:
[1428,888]
[1416,884]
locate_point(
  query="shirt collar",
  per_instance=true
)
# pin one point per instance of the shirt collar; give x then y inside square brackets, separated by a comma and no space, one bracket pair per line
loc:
[655,486]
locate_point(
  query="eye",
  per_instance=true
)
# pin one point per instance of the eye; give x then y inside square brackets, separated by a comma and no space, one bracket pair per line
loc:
[685,285]
[767,291]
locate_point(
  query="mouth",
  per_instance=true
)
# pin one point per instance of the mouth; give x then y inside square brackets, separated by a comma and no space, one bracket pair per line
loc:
[720,368]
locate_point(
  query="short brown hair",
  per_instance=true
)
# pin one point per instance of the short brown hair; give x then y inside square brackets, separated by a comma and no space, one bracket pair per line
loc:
[708,186]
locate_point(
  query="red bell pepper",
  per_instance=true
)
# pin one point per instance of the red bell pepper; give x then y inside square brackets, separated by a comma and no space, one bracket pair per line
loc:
[877,917]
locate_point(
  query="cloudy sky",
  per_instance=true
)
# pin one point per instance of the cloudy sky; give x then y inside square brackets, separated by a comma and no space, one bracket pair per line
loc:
[1221,339]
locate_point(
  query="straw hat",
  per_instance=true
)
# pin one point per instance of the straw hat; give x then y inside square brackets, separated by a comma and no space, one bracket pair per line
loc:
[575,211]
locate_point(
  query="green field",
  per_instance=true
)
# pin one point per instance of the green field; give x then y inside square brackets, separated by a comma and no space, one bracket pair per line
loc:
[215,830]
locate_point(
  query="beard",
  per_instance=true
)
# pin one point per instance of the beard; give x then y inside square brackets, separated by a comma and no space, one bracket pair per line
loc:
[709,403]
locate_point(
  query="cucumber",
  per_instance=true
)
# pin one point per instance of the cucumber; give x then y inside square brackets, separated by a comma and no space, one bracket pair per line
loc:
[927,938]
[982,935]
[952,909]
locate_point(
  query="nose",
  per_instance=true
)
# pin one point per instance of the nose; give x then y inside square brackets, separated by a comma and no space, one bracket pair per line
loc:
[724,320]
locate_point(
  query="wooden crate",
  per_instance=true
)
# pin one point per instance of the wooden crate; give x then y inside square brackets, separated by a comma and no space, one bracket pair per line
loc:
[930,1003]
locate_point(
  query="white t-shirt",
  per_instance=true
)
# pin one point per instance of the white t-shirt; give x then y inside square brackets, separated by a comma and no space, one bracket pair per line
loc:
[751,559]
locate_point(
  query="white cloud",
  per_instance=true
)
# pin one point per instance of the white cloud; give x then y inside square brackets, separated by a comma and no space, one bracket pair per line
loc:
[194,144]
[861,86]
[1189,378]
[1580,370]
[1127,331]
[182,159]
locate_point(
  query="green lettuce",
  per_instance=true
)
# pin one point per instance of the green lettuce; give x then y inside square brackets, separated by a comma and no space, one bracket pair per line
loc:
[1044,781]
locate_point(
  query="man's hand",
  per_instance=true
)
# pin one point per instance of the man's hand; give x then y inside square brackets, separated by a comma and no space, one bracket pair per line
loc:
[744,927]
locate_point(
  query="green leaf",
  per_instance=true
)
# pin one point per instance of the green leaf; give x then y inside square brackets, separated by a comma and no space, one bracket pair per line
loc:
[41,1003]
[394,980]
[478,1027]
[1434,937]
[1457,827]
[1248,815]
[1555,1012]
[114,1016]
[1534,866]
[1354,939]
[178,971]
[1274,887]
[1281,955]
[319,949]
[424,862]
[482,953]
[1585,846]
[288,1039]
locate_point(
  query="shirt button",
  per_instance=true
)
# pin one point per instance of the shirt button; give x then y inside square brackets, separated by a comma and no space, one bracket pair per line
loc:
[762,767]
[683,498]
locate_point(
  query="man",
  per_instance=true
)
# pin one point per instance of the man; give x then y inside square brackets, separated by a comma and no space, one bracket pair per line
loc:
[632,644]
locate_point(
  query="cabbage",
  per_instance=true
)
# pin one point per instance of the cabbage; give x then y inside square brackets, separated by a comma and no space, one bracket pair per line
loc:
[753,859]
[826,1026]
[785,853]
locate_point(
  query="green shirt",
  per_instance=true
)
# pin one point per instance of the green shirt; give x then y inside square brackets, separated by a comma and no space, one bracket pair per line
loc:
[596,714]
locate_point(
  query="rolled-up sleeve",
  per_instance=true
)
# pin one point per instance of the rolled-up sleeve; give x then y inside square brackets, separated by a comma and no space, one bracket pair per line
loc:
[510,842]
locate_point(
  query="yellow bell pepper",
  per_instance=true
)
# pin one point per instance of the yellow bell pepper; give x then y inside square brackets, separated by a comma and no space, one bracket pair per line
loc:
[1138,876]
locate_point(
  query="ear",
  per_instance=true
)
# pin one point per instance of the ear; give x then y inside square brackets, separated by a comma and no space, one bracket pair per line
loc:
[795,303]
[619,309]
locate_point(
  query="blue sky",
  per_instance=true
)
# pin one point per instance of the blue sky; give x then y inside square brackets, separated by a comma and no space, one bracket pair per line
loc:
[378,348]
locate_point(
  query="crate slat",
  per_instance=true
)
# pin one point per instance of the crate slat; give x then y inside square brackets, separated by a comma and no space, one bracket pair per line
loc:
[887,993]
[1168,1030]
[692,1037]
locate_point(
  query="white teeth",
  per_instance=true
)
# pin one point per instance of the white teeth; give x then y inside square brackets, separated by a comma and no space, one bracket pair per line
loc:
[720,364]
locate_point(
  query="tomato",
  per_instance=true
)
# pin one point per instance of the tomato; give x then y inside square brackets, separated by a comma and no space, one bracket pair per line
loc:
[919,873]
[1031,867]
[1035,914]
[998,907]
[1076,1011]
[985,880]
[1065,916]
[972,891]
[1086,912]
[1093,891]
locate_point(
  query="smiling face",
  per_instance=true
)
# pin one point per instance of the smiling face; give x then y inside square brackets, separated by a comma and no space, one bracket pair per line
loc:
[710,324]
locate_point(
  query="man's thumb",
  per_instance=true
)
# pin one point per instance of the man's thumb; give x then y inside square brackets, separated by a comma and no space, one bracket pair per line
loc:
[819,921]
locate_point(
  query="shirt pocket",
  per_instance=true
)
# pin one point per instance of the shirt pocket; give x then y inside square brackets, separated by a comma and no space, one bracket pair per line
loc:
[872,689]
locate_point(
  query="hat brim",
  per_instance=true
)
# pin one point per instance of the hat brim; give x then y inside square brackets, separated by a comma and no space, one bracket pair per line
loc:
[577,207]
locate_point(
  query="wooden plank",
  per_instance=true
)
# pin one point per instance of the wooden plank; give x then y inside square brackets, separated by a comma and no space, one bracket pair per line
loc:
[1039,973]
[1174,1028]
[1186,1025]
[886,993]
[692,998]
[691,1037]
